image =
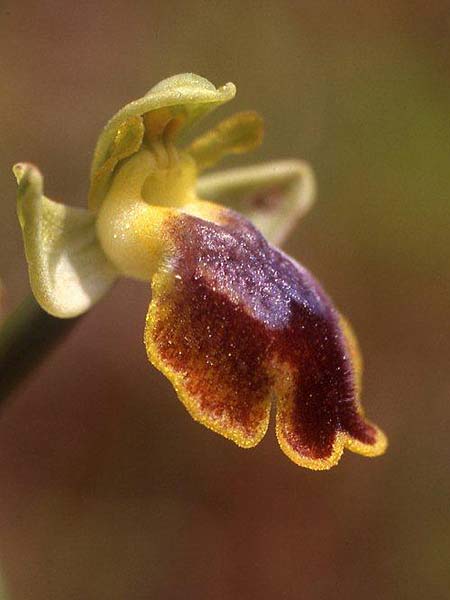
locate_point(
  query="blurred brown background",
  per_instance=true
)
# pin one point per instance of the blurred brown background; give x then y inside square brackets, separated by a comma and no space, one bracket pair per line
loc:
[108,489]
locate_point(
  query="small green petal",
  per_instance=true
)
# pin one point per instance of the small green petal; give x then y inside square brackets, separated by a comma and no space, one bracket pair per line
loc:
[273,196]
[68,270]
[180,100]
[238,134]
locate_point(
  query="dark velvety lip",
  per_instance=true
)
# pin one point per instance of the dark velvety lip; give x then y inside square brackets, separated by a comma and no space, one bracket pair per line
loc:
[235,323]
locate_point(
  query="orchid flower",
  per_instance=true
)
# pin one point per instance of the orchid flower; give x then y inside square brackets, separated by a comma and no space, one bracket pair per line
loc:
[234,323]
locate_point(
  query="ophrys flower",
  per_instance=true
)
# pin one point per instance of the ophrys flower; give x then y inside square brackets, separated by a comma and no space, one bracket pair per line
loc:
[234,323]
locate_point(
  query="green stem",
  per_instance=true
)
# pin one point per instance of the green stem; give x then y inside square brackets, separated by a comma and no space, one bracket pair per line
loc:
[26,336]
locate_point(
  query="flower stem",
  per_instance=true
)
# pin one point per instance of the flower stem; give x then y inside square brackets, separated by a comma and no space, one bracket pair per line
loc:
[26,336]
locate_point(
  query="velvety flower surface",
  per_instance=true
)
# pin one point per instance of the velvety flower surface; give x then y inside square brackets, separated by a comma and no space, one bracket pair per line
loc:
[234,323]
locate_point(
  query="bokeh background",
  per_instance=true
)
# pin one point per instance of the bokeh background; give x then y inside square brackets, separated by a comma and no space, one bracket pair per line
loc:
[108,489]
